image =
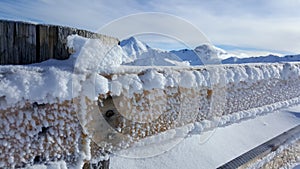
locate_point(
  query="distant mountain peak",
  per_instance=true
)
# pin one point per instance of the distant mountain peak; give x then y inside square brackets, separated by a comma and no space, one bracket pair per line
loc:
[127,41]
[133,47]
[211,49]
[133,41]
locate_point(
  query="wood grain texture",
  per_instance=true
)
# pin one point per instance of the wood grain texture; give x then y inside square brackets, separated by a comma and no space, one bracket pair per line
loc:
[26,43]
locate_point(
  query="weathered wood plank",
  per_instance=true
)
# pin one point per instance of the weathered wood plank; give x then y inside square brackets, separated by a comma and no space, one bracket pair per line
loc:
[44,45]
[2,42]
[10,43]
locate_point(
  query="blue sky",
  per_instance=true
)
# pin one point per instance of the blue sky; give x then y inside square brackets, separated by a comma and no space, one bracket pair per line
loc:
[271,25]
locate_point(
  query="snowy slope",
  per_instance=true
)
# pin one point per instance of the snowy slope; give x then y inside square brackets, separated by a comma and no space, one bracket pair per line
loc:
[214,148]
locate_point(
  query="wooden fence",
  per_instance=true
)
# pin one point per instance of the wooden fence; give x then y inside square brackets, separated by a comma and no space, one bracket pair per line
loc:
[26,43]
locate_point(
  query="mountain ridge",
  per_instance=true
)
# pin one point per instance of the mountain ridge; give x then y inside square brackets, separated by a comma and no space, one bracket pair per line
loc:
[143,55]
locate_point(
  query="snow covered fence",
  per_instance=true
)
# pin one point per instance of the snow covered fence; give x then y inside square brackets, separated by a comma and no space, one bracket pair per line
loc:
[112,110]
[147,101]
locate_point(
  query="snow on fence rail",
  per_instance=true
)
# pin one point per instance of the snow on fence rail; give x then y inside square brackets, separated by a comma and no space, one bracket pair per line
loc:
[48,121]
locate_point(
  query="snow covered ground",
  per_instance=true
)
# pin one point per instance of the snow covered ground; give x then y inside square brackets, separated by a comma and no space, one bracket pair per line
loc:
[222,145]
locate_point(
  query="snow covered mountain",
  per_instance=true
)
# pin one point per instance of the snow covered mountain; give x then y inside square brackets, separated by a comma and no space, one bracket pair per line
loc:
[133,47]
[203,54]
[143,55]
[140,54]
